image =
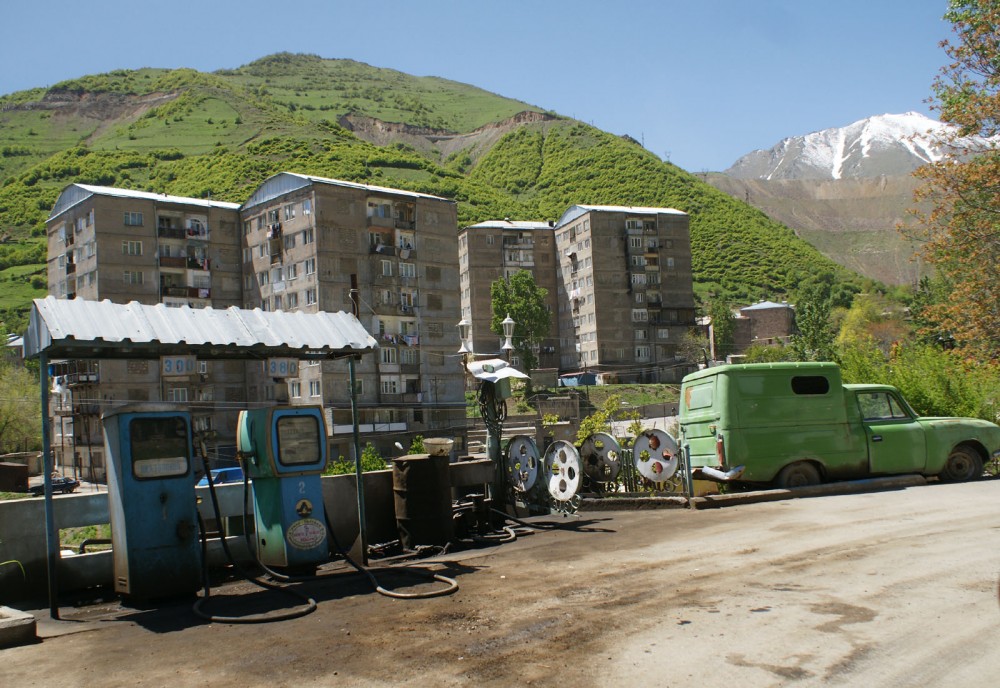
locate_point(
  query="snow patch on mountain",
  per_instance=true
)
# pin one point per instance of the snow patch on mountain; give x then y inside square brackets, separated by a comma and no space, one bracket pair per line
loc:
[886,144]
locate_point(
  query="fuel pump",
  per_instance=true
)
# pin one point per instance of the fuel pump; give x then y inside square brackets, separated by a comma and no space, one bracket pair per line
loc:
[151,501]
[284,451]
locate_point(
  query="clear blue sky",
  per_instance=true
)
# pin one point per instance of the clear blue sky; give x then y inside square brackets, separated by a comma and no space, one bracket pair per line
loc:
[698,82]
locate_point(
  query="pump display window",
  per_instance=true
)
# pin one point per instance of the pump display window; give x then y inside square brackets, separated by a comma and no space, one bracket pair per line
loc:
[160,447]
[299,440]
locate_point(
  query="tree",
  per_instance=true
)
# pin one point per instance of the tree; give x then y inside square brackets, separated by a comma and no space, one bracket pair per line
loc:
[723,328]
[20,409]
[814,341]
[524,301]
[960,221]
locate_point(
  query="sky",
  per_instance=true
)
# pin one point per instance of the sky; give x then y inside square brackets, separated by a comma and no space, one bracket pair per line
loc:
[698,82]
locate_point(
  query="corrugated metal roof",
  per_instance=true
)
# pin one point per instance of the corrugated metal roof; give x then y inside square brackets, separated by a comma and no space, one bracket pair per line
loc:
[76,193]
[79,328]
[577,210]
[510,224]
[764,305]
[286,182]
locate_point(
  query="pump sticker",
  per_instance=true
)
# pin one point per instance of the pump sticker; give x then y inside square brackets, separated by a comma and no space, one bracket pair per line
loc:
[306,533]
[304,508]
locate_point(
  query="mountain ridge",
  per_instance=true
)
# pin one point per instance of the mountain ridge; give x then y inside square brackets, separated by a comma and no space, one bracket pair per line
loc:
[888,144]
[194,134]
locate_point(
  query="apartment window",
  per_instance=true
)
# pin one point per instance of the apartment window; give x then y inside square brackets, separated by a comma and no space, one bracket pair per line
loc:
[640,297]
[638,261]
[640,334]
[248,281]
[409,356]
[289,241]
[248,255]
[292,300]
[272,216]
[91,247]
[388,354]
[390,385]
[376,209]
[262,249]
[132,276]
[290,211]
[246,227]
[307,206]
[295,389]
[310,296]
[314,388]
[131,248]
[387,268]
[663,333]
[639,315]
[308,236]
[310,266]
[133,219]
[670,262]
[277,302]
[263,277]
[635,242]
[407,270]
[642,352]
[291,272]
[177,394]
[489,239]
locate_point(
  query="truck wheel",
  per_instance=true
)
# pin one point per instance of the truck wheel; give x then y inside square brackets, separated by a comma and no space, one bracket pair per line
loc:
[800,474]
[963,464]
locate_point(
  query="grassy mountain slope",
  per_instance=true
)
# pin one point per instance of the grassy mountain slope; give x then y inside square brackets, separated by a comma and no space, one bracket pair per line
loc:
[194,134]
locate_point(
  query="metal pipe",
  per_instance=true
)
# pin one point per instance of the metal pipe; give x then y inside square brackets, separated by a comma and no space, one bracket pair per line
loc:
[51,535]
[714,474]
[362,526]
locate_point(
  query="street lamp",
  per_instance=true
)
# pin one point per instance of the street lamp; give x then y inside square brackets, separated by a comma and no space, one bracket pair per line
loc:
[463,334]
[508,332]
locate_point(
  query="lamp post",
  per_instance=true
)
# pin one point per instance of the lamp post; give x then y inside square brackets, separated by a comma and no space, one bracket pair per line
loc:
[508,332]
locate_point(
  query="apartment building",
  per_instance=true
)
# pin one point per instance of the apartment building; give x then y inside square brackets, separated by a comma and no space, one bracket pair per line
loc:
[627,292]
[122,245]
[494,249]
[305,241]
[619,283]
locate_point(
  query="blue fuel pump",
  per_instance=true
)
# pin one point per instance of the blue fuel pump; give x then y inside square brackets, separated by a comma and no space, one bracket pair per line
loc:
[151,500]
[284,451]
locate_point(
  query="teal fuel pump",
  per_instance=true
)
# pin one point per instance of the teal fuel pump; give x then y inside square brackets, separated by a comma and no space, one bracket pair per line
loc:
[284,452]
[152,501]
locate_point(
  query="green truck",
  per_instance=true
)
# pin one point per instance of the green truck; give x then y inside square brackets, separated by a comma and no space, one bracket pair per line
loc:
[796,424]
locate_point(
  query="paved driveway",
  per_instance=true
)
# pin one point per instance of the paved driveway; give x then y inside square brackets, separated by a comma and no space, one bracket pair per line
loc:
[897,588]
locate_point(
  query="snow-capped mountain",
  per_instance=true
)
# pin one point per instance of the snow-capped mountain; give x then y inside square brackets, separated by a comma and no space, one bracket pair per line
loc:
[881,145]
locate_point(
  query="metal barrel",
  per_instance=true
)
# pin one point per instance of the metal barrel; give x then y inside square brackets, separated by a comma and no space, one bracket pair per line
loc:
[421,488]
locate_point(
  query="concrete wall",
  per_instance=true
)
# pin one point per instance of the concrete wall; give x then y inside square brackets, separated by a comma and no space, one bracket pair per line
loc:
[22,528]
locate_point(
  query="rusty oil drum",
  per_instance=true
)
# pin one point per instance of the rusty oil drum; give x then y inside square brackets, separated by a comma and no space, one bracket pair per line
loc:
[421,488]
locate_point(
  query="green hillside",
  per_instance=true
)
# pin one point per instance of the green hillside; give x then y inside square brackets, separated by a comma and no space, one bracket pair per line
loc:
[194,134]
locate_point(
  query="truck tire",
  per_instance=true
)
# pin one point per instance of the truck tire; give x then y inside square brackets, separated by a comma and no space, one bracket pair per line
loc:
[799,474]
[963,464]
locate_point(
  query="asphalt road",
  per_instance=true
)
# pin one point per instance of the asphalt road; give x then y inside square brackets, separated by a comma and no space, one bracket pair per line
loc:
[898,588]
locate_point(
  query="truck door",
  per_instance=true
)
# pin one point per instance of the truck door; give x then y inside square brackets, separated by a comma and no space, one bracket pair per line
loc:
[895,439]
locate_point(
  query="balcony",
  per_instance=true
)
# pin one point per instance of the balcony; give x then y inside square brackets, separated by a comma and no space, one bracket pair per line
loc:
[181,292]
[170,233]
[173,262]
[197,232]
[70,268]
[383,249]
[402,223]
[405,309]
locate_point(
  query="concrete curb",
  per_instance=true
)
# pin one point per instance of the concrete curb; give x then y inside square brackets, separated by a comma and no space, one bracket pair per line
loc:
[896,482]
[16,627]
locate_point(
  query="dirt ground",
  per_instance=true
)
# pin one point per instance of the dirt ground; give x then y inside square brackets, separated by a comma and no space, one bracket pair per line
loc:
[897,588]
